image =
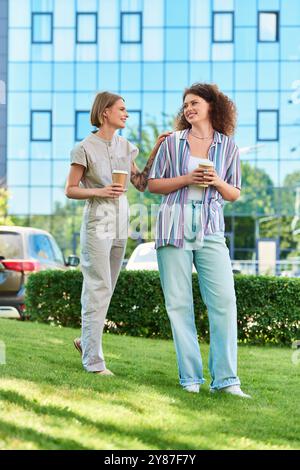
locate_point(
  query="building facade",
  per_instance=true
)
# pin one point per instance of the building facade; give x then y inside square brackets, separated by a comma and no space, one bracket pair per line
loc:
[61,52]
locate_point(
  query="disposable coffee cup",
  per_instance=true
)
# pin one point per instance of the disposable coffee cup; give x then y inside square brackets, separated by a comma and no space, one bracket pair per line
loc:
[119,177]
[205,166]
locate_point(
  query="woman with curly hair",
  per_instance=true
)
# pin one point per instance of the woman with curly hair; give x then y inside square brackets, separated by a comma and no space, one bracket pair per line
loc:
[196,169]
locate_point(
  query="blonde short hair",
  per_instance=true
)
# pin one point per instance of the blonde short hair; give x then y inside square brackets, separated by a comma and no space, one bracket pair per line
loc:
[102,101]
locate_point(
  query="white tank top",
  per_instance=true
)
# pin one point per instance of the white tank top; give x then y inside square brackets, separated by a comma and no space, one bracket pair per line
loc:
[195,192]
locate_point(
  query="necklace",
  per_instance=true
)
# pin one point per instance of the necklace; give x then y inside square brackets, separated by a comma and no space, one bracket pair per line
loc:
[201,138]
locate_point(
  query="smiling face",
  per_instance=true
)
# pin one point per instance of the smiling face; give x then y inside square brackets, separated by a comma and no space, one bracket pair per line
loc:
[195,109]
[116,115]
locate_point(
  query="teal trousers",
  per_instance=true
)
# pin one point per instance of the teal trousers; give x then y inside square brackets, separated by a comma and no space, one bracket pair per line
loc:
[216,284]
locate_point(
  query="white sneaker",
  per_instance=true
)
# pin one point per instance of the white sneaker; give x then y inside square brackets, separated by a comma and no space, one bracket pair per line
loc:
[194,388]
[233,390]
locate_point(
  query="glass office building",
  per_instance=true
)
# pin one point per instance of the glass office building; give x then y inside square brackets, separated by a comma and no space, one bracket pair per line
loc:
[60,52]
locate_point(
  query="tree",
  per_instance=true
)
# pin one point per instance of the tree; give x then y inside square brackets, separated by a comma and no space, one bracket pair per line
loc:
[64,224]
[257,195]
[5,219]
[287,226]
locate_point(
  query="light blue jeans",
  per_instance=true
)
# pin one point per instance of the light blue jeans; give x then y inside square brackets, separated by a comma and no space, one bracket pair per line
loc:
[216,284]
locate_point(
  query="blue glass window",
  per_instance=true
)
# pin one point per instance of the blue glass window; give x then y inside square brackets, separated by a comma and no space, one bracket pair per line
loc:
[268,76]
[269,51]
[268,100]
[245,136]
[86,81]
[60,171]
[20,102]
[130,76]
[290,13]
[267,124]
[223,26]
[153,76]
[245,75]
[200,13]
[63,109]
[108,76]
[40,200]
[177,15]
[153,44]
[200,36]
[177,44]
[63,139]
[18,203]
[64,45]
[153,13]
[40,150]
[17,172]
[40,173]
[63,77]
[86,28]
[21,37]
[173,103]
[18,77]
[134,123]
[246,104]
[222,51]
[222,74]
[268,22]
[41,125]
[245,44]
[16,148]
[289,75]
[132,99]
[176,76]
[289,43]
[82,125]
[152,107]
[131,27]
[201,72]
[109,14]
[245,13]
[41,76]
[42,28]
[135,118]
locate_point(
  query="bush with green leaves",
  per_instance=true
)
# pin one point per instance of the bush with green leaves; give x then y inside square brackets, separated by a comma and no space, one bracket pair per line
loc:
[268,307]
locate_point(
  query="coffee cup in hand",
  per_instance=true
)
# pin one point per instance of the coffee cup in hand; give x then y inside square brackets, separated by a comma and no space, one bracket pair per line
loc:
[119,177]
[205,166]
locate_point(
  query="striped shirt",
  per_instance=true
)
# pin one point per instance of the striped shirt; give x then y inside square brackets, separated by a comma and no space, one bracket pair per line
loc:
[171,161]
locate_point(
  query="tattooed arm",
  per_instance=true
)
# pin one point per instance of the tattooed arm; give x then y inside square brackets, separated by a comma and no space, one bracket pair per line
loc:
[140,178]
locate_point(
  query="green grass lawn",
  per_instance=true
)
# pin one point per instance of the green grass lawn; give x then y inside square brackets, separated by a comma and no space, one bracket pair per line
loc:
[48,402]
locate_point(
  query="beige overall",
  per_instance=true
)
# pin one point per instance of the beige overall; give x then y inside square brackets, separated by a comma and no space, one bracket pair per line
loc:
[103,237]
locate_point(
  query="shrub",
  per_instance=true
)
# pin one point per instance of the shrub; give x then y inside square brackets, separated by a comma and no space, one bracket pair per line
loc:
[268,307]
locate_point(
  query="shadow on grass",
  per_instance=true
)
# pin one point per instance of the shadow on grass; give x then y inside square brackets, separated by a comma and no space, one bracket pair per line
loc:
[138,367]
[41,440]
[149,437]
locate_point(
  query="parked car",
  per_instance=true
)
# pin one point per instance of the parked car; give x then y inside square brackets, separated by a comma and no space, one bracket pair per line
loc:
[24,250]
[144,257]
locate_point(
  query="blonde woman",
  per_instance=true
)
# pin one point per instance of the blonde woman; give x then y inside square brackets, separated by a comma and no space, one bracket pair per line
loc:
[105,218]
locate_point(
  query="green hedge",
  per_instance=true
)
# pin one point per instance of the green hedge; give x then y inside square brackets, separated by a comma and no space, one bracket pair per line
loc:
[268,307]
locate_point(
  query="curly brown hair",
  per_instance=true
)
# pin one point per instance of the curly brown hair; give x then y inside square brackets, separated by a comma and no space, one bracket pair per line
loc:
[222,110]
